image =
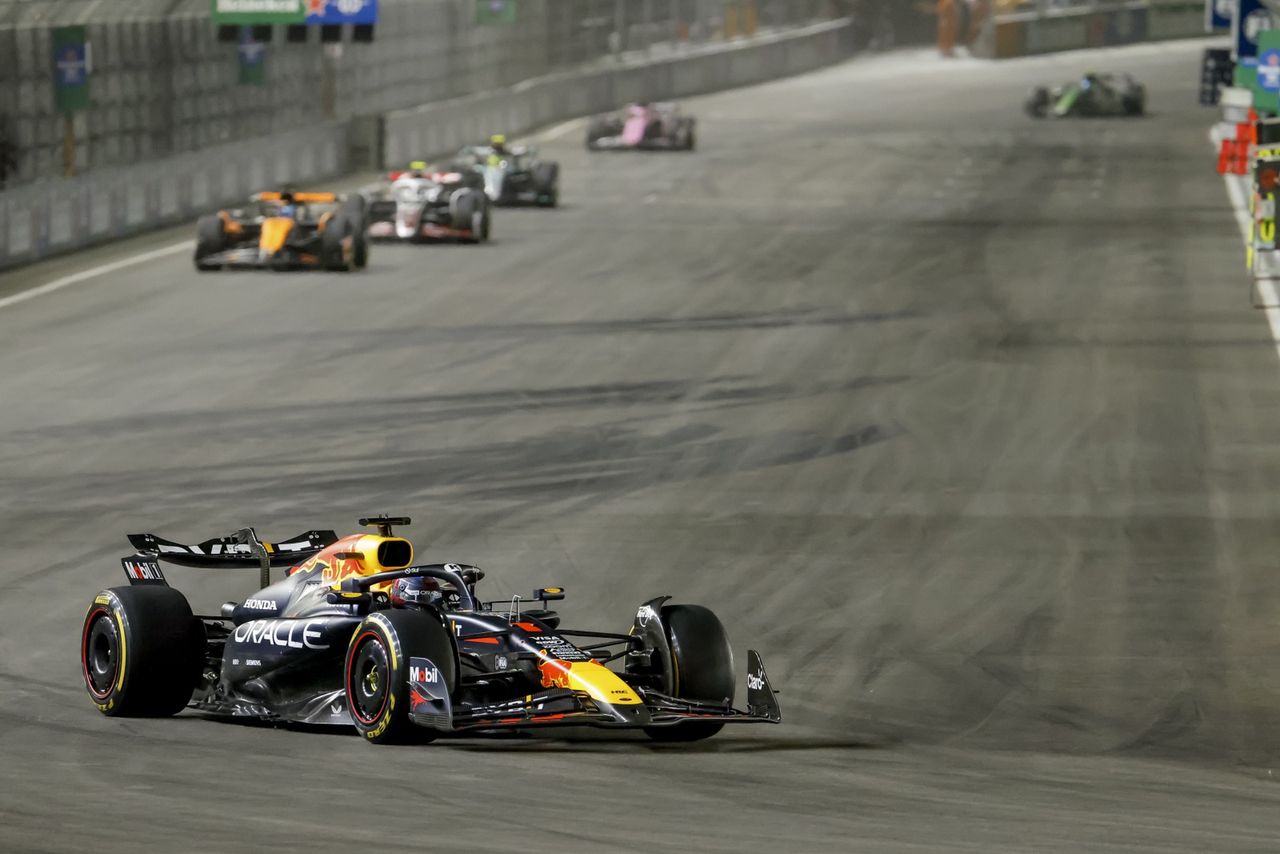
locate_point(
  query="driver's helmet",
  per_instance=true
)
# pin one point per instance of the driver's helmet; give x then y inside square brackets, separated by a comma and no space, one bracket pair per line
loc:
[498,142]
[288,210]
[415,591]
[418,168]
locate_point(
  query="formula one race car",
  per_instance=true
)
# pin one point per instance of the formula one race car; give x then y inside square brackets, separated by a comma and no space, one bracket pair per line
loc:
[423,204]
[642,127]
[357,634]
[285,231]
[513,175]
[1092,96]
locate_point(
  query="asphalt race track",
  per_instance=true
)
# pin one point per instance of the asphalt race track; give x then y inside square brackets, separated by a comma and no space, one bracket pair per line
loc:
[965,421]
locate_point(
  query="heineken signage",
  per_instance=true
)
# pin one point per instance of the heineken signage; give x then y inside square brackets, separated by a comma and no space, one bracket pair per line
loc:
[244,12]
[259,11]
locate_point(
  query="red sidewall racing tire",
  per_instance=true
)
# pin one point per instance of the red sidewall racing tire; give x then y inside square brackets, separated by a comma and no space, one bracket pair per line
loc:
[141,651]
[376,673]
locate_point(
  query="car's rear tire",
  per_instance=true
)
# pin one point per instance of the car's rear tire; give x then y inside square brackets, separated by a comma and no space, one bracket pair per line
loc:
[376,675]
[210,240]
[701,668]
[141,651]
[355,207]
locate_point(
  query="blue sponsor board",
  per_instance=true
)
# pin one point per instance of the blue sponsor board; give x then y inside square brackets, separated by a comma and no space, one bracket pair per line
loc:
[1217,15]
[1269,70]
[342,11]
[1250,19]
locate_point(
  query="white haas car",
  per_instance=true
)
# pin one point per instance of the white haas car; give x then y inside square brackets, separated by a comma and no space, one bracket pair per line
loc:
[420,205]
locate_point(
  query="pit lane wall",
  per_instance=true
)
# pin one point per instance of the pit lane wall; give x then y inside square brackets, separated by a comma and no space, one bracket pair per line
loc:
[1096,24]
[56,216]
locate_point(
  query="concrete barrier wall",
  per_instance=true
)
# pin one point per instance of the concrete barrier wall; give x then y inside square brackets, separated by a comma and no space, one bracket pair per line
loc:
[59,215]
[163,84]
[1026,34]
[433,129]
[46,218]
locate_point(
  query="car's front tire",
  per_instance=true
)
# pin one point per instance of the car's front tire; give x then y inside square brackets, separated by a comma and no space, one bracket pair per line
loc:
[376,675]
[701,668]
[333,253]
[210,241]
[141,651]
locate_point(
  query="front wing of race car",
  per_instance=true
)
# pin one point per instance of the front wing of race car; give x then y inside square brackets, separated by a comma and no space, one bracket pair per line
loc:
[666,142]
[431,707]
[256,258]
[418,230]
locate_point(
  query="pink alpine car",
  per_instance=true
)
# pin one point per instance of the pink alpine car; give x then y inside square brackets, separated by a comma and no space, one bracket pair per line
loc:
[642,127]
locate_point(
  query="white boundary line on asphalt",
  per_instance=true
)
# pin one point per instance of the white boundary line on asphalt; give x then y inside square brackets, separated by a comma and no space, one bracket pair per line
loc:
[95,272]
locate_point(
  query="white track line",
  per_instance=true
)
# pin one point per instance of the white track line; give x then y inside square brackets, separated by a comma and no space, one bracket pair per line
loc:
[94,272]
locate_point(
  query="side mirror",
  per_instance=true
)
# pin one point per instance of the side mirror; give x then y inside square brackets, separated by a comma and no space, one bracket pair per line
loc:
[549,594]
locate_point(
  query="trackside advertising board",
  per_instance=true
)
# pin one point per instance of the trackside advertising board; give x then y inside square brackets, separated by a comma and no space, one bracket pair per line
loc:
[71,66]
[1217,15]
[246,12]
[341,11]
[258,11]
[1249,18]
[1266,74]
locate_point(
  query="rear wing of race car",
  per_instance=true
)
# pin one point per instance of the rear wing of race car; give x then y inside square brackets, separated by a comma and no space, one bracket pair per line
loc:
[280,195]
[241,550]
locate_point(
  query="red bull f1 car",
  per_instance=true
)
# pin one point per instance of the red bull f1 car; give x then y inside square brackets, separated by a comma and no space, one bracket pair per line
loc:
[421,204]
[357,634]
[285,231]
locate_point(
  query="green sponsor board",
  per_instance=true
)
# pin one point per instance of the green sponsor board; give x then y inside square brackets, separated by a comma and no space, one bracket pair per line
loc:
[1264,78]
[258,11]
[70,69]
[253,59]
[499,12]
